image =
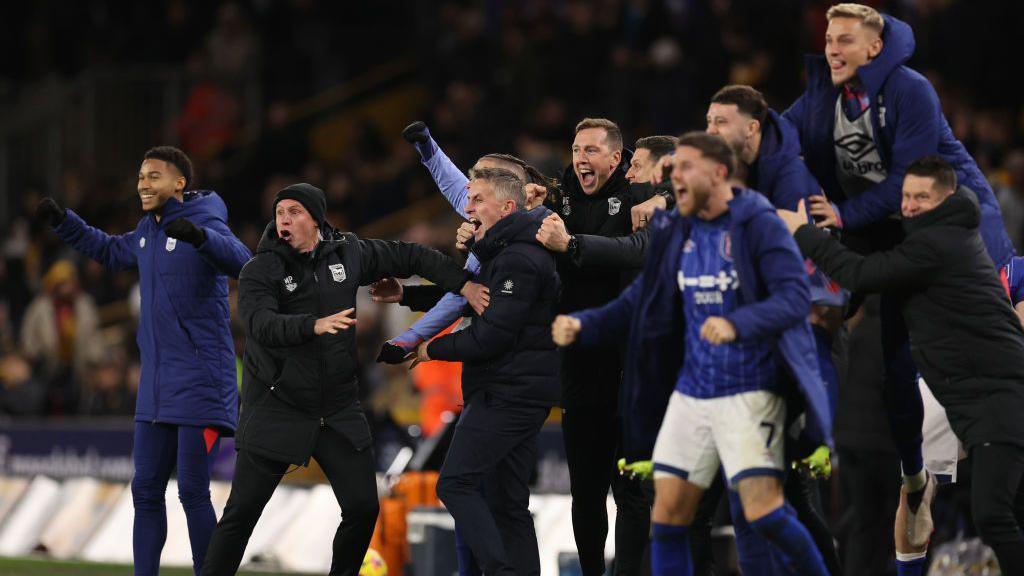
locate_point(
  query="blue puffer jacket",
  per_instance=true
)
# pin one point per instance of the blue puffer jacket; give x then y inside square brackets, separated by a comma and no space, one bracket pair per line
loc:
[184,334]
[908,124]
[650,314]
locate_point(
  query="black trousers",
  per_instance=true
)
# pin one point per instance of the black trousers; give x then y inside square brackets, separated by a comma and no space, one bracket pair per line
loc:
[871,487]
[351,474]
[496,439]
[592,436]
[997,503]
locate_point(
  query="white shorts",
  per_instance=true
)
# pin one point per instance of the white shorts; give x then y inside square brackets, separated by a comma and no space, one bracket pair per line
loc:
[941,448]
[742,433]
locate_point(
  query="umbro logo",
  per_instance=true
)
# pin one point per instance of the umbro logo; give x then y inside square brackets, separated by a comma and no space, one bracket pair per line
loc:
[857,145]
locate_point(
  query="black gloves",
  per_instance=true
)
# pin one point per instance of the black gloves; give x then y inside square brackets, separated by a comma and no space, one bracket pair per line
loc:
[416,133]
[49,210]
[391,353]
[185,231]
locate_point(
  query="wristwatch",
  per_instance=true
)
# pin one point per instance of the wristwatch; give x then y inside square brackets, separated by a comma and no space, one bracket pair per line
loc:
[573,246]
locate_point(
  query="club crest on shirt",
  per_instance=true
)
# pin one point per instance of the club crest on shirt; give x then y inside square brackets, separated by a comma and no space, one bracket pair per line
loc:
[290,284]
[725,246]
[142,242]
[613,206]
[688,246]
[171,243]
[566,209]
[338,272]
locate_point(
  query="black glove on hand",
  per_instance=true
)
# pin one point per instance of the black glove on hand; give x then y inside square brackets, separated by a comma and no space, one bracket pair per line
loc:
[391,353]
[416,133]
[49,210]
[185,231]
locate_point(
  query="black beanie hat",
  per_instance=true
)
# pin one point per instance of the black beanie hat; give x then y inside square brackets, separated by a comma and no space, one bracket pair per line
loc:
[311,198]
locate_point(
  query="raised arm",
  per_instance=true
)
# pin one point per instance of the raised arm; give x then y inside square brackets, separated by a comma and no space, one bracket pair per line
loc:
[114,252]
[382,258]
[449,179]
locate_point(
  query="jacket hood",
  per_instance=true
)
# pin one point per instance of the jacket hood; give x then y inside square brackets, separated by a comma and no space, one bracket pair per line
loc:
[747,204]
[898,46]
[616,184]
[519,226]
[960,210]
[780,143]
[195,203]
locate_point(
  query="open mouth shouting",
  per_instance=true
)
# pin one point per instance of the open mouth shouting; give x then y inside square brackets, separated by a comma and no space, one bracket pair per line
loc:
[587,177]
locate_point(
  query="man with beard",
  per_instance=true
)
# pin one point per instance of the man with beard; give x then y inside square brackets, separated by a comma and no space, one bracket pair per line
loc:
[722,291]
[188,395]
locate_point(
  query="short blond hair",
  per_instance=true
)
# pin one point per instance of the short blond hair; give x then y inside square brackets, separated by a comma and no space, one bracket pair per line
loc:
[611,130]
[868,16]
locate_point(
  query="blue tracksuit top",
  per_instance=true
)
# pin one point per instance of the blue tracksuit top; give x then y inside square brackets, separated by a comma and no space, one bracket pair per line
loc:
[649,315]
[184,334]
[908,123]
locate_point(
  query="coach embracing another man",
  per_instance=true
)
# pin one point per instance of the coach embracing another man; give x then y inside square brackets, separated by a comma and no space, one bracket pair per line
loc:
[300,394]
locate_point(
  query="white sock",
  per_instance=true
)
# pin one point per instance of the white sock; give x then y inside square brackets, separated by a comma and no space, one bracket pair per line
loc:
[911,556]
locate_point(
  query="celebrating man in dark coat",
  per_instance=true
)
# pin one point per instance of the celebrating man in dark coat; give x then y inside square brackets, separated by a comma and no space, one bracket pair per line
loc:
[297,300]
[965,338]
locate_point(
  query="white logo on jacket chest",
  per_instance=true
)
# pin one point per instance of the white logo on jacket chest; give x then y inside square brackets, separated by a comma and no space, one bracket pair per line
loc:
[290,284]
[142,242]
[507,287]
[613,206]
[337,272]
[171,243]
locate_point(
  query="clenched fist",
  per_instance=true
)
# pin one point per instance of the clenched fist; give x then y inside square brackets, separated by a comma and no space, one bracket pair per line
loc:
[565,329]
[718,330]
[463,236]
[553,235]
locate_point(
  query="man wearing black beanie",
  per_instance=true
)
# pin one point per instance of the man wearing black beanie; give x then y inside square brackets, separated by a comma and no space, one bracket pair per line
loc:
[296,299]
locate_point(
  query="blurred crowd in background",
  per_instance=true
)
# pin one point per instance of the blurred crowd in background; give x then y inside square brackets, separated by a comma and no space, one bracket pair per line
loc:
[275,92]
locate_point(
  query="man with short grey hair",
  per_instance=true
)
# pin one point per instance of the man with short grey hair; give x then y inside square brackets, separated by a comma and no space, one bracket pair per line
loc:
[509,379]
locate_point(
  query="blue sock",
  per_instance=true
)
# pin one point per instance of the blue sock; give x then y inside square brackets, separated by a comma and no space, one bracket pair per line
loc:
[785,532]
[913,567]
[754,555]
[670,550]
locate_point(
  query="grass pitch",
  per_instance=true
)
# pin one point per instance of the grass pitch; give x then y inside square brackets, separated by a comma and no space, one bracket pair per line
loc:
[46,567]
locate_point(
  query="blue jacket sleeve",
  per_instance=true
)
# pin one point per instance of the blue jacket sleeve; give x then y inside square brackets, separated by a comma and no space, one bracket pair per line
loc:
[448,178]
[222,248]
[114,252]
[793,184]
[449,309]
[797,114]
[608,325]
[917,133]
[778,262]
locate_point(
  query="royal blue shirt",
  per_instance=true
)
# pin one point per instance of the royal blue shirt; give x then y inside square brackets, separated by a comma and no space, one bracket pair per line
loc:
[710,287]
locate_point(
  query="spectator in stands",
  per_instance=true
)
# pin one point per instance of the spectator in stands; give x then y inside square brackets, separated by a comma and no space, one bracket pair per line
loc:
[21,393]
[61,332]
